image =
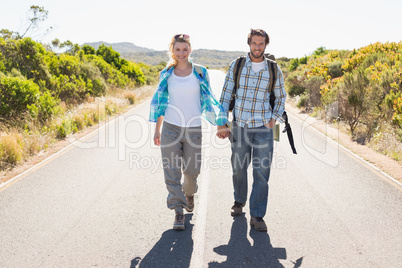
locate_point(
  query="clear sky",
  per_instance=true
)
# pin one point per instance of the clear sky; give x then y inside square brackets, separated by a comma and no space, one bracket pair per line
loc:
[296,28]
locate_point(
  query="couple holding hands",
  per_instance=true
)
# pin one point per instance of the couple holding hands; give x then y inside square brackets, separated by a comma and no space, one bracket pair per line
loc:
[184,95]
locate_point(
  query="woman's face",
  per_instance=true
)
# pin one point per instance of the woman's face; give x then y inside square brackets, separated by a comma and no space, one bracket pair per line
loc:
[181,51]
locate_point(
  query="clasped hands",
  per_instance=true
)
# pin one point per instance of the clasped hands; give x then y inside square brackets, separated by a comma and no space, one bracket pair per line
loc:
[224,131]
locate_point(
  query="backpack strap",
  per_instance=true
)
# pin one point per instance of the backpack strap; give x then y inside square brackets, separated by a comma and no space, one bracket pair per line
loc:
[236,72]
[273,72]
[198,70]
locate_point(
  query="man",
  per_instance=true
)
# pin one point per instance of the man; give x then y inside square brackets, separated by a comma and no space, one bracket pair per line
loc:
[252,127]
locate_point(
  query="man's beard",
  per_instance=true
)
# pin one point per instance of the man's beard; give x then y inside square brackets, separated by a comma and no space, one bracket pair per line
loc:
[261,55]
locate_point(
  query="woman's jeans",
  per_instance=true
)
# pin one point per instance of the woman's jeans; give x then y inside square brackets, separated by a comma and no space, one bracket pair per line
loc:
[252,145]
[181,154]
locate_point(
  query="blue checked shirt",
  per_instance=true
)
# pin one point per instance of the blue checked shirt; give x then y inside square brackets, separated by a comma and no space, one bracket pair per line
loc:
[252,101]
[211,109]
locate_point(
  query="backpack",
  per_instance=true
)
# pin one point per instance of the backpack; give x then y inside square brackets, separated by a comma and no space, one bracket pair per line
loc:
[273,70]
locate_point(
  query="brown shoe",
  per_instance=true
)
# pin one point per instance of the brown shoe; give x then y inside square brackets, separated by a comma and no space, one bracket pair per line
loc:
[190,203]
[179,222]
[259,224]
[237,209]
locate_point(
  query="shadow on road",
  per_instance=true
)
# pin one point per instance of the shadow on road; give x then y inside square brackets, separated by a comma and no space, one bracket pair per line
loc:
[173,249]
[240,252]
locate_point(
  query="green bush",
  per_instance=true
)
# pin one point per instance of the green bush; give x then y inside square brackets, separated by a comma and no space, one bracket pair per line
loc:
[109,55]
[335,69]
[18,96]
[354,99]
[296,90]
[303,60]
[303,101]
[110,74]
[151,73]
[88,50]
[27,56]
[313,87]
[293,64]
[294,83]
[371,59]
[133,71]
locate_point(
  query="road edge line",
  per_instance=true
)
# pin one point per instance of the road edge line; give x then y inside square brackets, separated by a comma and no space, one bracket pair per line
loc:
[371,165]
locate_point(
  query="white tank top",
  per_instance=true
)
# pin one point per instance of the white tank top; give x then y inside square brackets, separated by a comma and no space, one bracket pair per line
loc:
[184,108]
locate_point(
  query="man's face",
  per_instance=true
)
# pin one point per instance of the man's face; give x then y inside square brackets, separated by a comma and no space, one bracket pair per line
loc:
[257,46]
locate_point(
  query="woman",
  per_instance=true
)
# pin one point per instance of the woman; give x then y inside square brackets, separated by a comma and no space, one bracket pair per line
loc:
[182,97]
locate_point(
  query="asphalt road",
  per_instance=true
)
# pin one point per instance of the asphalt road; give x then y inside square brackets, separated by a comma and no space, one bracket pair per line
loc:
[102,203]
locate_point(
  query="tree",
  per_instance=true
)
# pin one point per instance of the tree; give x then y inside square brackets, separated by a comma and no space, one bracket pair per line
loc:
[88,50]
[36,15]
[7,34]
[70,47]
[109,55]
[320,51]
[294,63]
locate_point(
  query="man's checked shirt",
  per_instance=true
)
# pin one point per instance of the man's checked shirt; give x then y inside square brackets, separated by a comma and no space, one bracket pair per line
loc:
[252,101]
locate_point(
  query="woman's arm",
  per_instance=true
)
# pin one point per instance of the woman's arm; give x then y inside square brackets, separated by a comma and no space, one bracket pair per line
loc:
[157,135]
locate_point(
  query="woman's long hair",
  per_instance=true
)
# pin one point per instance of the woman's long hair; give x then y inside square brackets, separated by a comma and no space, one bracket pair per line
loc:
[182,38]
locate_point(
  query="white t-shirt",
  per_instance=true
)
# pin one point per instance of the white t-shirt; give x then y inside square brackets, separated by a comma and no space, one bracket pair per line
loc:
[184,108]
[258,66]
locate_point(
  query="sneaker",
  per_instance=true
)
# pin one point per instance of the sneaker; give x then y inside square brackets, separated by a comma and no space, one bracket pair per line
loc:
[178,221]
[190,203]
[258,223]
[237,209]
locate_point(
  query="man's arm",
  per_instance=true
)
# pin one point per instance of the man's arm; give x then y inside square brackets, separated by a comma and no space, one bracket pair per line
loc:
[224,131]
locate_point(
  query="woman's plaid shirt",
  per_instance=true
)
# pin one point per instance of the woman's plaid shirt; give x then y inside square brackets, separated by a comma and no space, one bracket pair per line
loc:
[211,109]
[252,102]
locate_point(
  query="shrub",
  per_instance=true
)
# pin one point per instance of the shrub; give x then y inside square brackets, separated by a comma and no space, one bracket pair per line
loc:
[110,74]
[133,71]
[11,149]
[18,96]
[296,90]
[335,69]
[353,100]
[303,60]
[88,50]
[109,55]
[293,64]
[303,101]
[151,73]
[27,56]
[313,88]
[294,83]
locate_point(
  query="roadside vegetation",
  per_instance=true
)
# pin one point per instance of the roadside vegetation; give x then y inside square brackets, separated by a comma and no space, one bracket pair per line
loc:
[358,90]
[46,96]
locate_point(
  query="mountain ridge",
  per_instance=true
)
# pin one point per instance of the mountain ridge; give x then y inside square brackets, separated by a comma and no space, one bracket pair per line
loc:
[212,58]
[121,47]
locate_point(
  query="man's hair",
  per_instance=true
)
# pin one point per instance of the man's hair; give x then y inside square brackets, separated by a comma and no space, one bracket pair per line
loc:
[258,32]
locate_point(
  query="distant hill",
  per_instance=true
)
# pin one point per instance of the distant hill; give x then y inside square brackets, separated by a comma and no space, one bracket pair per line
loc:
[210,58]
[206,57]
[122,47]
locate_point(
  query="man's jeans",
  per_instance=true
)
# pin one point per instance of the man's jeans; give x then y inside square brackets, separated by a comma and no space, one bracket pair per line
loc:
[256,145]
[181,154]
